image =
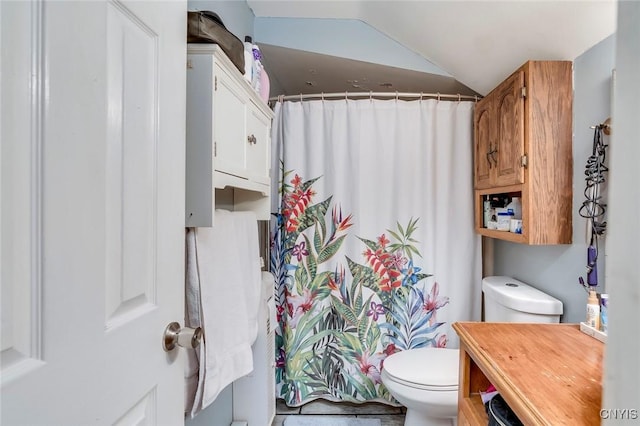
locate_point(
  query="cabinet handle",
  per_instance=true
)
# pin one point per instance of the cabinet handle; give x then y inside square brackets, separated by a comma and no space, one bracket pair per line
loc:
[252,139]
[491,156]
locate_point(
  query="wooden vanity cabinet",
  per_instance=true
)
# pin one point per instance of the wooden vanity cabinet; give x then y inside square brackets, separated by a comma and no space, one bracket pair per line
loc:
[523,147]
[549,374]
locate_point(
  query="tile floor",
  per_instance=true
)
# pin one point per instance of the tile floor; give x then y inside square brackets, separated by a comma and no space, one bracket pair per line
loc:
[388,415]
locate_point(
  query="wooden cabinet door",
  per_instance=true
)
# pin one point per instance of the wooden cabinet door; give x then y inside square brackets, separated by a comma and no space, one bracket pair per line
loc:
[509,138]
[484,123]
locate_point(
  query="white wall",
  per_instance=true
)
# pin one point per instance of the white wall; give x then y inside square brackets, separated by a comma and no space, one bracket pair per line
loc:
[555,269]
[622,369]
[344,38]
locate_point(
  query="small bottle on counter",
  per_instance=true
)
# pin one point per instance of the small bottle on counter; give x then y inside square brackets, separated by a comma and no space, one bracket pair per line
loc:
[604,302]
[593,310]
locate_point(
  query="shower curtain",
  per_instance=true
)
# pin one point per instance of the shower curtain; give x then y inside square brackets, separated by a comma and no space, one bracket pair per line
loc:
[373,245]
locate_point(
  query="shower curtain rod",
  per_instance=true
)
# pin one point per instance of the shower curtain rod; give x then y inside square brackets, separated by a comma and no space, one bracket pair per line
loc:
[372,95]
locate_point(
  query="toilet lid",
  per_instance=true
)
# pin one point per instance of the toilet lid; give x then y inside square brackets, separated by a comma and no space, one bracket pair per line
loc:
[435,368]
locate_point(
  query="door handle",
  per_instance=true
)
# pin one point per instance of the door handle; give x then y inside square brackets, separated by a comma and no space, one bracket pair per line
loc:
[185,337]
[252,139]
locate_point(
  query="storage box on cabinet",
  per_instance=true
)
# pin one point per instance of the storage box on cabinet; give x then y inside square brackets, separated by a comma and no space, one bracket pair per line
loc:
[523,138]
[228,137]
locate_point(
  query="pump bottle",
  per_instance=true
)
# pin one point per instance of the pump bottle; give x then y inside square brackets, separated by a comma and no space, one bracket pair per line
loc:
[593,310]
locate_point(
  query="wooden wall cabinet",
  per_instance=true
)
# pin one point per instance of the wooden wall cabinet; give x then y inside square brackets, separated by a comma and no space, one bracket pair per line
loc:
[228,138]
[523,147]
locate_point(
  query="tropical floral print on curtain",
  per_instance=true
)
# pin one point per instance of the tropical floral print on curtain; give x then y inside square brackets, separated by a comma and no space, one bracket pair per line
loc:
[340,315]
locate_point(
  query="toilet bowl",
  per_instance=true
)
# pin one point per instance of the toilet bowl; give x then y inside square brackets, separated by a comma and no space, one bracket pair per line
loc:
[425,381]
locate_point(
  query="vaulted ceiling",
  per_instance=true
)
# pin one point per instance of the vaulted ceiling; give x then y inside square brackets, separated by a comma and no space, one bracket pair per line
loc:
[478,42]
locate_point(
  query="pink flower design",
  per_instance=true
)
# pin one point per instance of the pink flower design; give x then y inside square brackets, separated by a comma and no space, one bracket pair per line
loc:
[442,341]
[370,365]
[299,250]
[298,305]
[433,302]
[375,311]
[398,261]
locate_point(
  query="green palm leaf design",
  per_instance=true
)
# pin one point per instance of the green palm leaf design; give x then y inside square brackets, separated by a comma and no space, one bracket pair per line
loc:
[405,241]
[303,336]
[313,214]
[366,389]
[344,311]
[363,274]
[327,252]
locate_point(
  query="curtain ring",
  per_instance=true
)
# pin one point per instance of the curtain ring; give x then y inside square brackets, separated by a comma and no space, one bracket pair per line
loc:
[438,97]
[396,95]
[322,96]
[459,97]
[370,96]
[300,97]
[346,96]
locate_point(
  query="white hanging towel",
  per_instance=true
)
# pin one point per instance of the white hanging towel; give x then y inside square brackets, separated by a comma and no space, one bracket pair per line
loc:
[223,291]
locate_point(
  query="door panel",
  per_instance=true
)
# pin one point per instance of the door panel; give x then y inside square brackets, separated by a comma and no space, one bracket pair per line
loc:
[20,192]
[130,166]
[510,131]
[484,135]
[105,159]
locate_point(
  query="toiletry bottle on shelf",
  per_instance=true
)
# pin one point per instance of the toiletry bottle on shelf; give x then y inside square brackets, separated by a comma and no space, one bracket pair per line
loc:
[593,310]
[604,305]
[248,58]
[486,211]
[257,68]
[516,207]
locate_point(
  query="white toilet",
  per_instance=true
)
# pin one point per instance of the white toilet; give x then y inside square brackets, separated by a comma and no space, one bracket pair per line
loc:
[425,380]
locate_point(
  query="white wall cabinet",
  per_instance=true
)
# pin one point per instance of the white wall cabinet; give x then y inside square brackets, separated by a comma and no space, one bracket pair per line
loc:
[228,137]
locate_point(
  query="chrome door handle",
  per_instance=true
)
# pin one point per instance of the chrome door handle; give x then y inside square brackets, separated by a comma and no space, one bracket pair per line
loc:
[252,139]
[185,337]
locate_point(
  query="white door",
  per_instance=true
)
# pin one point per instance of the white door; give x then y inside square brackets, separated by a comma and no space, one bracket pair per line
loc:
[92,211]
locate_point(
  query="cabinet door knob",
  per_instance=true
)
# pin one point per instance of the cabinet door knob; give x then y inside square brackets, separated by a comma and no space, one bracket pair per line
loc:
[252,139]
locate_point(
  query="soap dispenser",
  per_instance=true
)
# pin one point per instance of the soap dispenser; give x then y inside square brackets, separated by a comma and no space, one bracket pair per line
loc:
[593,310]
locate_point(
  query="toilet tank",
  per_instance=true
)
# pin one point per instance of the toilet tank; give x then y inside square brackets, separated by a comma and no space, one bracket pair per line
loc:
[509,300]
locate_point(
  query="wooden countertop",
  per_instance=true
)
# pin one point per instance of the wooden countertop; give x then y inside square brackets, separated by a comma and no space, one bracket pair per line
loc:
[549,374]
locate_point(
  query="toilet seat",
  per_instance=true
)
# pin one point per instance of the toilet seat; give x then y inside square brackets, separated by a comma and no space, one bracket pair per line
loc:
[411,368]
